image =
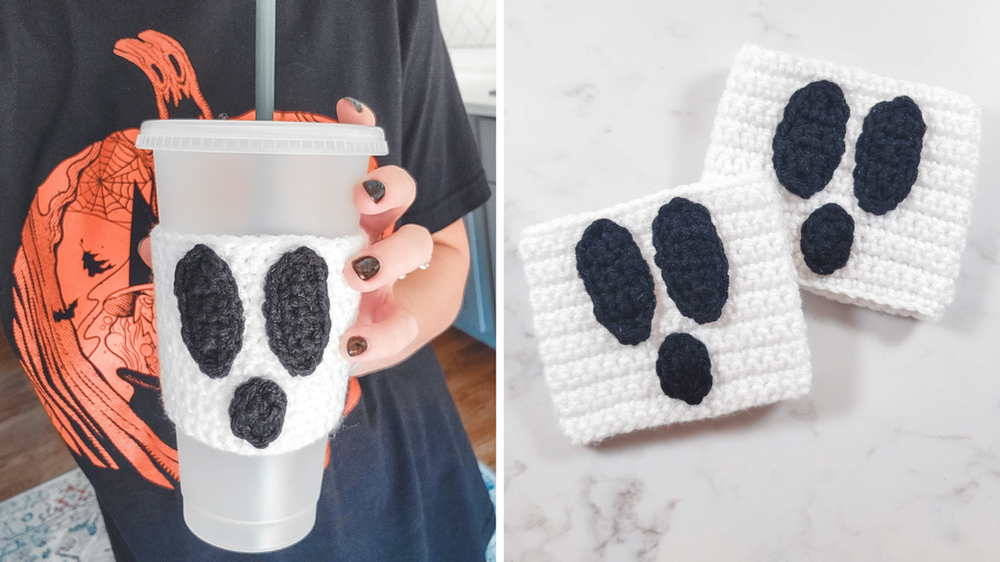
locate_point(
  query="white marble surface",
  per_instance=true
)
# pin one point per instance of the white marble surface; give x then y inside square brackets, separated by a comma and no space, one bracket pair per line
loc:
[895,454]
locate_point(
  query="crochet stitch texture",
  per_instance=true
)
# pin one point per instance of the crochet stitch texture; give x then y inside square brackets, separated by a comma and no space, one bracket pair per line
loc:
[756,348]
[286,384]
[906,176]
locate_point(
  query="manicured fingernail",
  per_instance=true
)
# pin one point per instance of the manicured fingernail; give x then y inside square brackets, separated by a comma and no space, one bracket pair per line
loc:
[375,189]
[356,345]
[366,267]
[357,105]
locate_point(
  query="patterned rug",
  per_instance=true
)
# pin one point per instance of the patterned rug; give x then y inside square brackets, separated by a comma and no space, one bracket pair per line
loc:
[490,478]
[59,521]
[55,521]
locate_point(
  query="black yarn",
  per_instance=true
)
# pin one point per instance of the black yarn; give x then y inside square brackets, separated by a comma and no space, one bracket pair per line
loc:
[691,259]
[210,309]
[297,310]
[684,369]
[809,141]
[257,411]
[827,237]
[618,281]
[887,154]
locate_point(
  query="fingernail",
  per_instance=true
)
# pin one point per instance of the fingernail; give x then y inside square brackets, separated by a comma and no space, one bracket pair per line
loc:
[356,345]
[357,105]
[375,189]
[366,267]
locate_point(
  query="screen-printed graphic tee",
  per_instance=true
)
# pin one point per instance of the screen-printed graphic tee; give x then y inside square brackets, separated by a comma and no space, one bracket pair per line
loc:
[77,301]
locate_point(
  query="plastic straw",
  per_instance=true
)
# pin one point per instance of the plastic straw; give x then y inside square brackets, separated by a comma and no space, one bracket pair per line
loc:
[265,60]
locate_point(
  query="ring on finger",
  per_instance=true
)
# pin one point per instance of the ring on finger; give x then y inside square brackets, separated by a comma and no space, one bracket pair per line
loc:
[424,265]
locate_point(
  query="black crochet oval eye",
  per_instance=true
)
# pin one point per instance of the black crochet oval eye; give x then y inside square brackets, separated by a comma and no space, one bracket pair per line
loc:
[691,259]
[827,237]
[618,281]
[210,309]
[887,154]
[809,141]
[297,310]
[257,411]
[684,368]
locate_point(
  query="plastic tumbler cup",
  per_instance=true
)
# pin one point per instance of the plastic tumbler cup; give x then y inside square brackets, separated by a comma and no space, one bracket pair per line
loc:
[256,221]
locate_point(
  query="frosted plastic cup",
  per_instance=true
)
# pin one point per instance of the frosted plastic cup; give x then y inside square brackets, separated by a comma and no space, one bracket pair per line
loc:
[256,177]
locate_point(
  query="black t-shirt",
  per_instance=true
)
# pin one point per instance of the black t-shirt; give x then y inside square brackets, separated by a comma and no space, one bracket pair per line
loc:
[76,301]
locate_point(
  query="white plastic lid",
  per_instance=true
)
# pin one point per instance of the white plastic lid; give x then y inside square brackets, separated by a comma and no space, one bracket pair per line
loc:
[262,137]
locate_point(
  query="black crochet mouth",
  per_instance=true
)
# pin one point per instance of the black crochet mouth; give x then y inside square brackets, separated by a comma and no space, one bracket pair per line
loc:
[297,323]
[808,146]
[694,267]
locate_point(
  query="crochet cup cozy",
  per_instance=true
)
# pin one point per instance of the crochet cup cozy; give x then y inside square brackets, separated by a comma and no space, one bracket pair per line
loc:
[248,330]
[876,175]
[678,306]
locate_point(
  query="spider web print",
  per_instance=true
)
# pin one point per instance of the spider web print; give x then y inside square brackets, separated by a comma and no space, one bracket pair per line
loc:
[105,186]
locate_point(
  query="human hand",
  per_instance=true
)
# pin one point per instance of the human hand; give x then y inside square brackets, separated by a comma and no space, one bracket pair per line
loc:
[384,328]
[385,331]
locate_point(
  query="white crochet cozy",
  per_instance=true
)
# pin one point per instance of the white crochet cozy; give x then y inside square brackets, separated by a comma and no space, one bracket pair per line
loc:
[756,343]
[200,385]
[905,256]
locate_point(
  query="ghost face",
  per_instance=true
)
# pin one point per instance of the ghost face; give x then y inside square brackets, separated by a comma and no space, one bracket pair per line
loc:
[248,329]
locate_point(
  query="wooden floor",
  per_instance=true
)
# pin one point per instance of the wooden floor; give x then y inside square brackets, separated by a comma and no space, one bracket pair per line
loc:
[470,369]
[31,451]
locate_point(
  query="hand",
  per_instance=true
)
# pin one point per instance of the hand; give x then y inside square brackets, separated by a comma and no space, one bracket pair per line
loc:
[384,327]
[396,317]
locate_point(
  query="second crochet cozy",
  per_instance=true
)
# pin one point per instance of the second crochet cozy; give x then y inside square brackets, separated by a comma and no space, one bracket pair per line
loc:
[876,175]
[678,306]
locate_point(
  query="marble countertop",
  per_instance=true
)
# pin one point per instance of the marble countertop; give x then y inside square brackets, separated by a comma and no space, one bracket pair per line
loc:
[895,453]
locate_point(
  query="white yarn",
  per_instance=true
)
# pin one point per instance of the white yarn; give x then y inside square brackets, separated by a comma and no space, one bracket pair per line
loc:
[757,348]
[904,262]
[199,405]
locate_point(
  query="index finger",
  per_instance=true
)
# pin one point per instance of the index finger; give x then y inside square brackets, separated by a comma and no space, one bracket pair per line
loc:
[382,197]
